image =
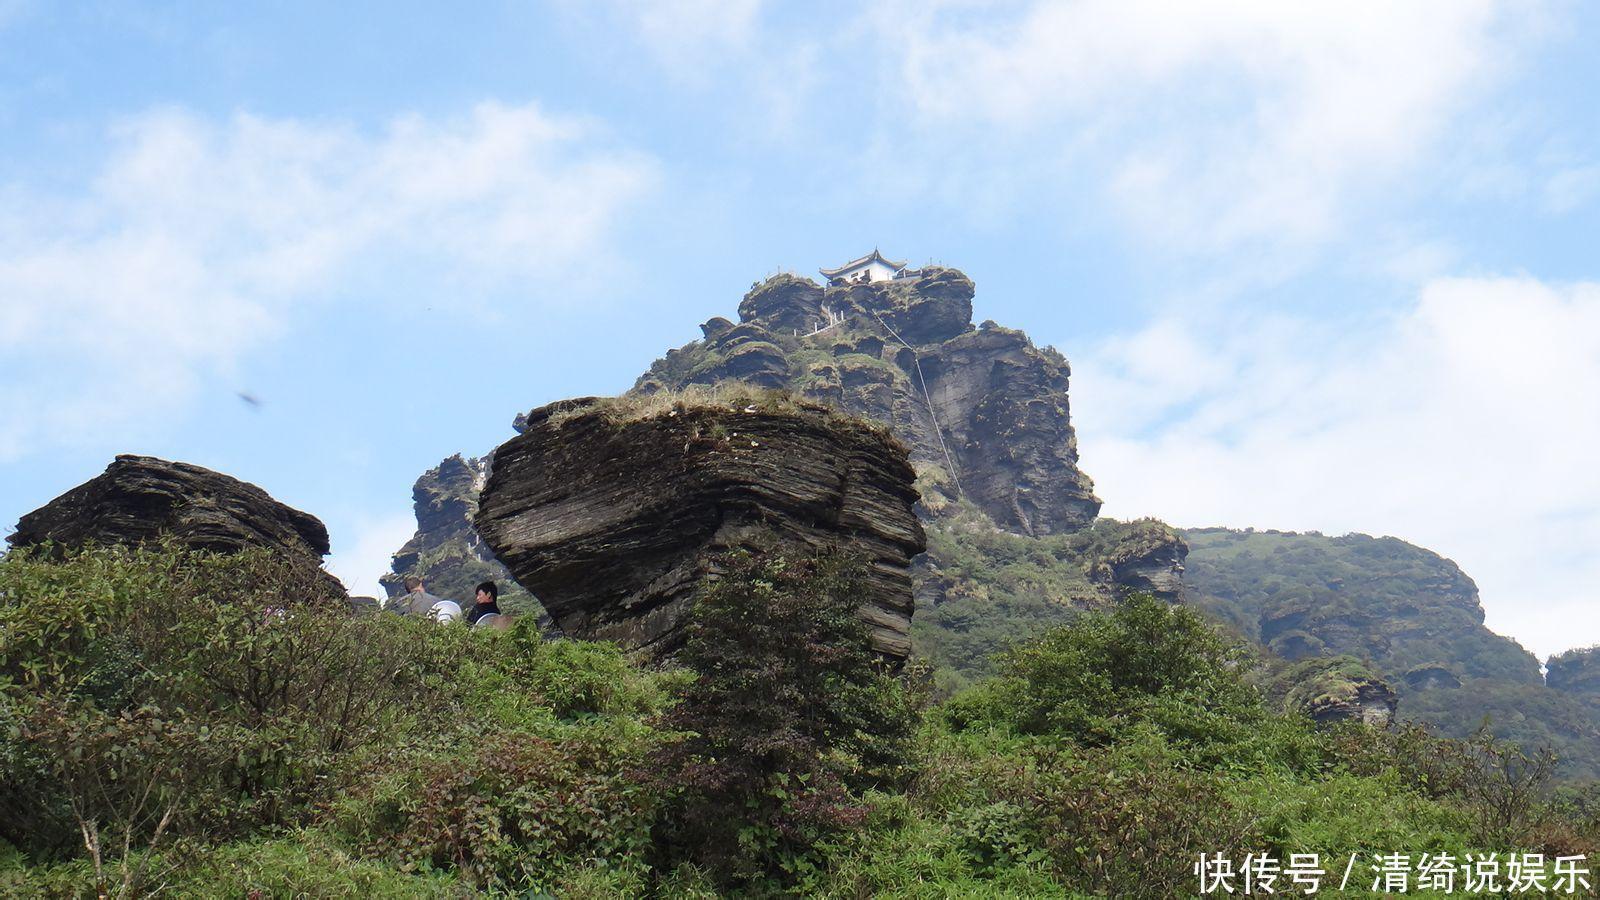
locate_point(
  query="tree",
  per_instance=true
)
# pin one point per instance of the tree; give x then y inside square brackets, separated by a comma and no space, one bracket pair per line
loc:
[790,714]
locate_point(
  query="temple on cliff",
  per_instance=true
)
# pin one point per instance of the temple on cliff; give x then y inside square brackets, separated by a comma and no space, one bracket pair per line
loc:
[872,267]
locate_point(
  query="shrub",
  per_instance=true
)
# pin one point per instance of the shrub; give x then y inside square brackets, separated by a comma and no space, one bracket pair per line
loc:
[578,678]
[1130,820]
[267,690]
[1145,664]
[517,812]
[1124,820]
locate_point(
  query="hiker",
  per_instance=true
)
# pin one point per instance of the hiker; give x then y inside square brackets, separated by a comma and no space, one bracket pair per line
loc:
[486,612]
[416,602]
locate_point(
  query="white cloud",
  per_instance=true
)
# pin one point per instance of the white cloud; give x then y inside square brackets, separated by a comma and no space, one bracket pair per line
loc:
[1571,188]
[199,240]
[370,552]
[1209,125]
[686,37]
[1467,425]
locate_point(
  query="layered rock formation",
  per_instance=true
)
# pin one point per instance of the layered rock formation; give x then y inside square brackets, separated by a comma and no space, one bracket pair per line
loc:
[983,410]
[613,513]
[446,551]
[140,498]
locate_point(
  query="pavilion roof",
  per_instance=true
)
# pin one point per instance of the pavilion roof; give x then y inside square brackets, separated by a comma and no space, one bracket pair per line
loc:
[858,263]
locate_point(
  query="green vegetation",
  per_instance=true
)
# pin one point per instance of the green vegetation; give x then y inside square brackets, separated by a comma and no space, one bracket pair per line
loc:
[1409,614]
[726,397]
[984,590]
[186,724]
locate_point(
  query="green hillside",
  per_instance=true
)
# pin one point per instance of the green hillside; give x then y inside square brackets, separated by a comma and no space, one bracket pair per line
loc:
[1414,615]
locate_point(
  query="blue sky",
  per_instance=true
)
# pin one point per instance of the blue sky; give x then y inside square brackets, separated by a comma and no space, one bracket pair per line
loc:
[1317,265]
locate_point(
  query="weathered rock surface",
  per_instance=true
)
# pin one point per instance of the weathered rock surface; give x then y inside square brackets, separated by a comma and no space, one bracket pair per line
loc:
[613,522]
[1369,702]
[983,406]
[139,498]
[1339,689]
[1575,672]
[1147,558]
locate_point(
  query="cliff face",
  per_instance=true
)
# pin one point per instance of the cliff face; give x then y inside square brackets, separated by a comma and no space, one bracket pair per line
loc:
[1411,612]
[1413,616]
[615,513]
[984,414]
[983,410]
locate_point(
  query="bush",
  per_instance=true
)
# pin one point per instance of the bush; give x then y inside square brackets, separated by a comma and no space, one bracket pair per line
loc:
[1130,820]
[208,685]
[575,679]
[1144,665]
[516,812]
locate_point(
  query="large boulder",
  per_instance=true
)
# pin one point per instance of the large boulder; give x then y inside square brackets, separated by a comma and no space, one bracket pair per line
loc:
[139,498]
[614,512]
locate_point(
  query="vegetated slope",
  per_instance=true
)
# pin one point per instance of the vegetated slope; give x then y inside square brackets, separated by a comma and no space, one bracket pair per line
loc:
[1410,612]
[981,590]
[188,724]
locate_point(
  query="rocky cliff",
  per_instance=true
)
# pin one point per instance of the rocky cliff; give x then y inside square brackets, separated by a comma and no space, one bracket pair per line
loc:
[983,410]
[1410,614]
[1413,613]
[614,513]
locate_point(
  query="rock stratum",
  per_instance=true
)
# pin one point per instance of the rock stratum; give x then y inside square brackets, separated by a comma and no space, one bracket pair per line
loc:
[139,498]
[613,514]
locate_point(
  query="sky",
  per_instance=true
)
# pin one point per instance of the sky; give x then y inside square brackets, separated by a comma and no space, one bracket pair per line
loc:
[1317,266]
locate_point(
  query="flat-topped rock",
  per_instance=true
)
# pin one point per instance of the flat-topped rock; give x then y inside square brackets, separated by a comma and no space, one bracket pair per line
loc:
[614,512]
[139,498]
